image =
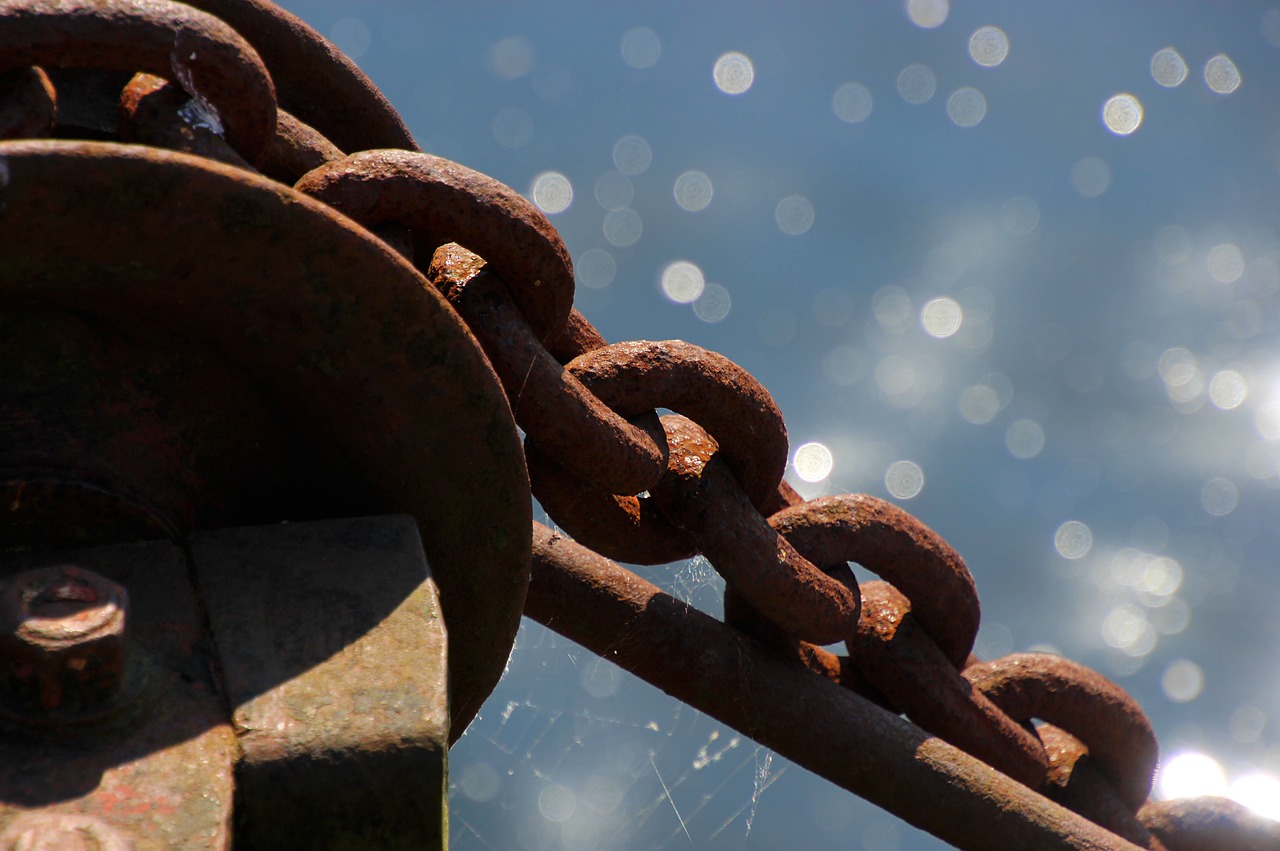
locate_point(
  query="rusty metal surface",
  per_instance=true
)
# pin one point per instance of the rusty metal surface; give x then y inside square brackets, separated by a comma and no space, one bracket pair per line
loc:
[296,149]
[356,353]
[556,411]
[332,650]
[155,771]
[863,748]
[63,637]
[216,66]
[1085,704]
[314,80]
[896,656]
[154,111]
[28,104]
[1209,824]
[290,332]
[700,495]
[900,549]
[1075,781]
[448,202]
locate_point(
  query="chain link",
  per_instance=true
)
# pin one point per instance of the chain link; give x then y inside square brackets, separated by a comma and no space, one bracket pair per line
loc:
[636,488]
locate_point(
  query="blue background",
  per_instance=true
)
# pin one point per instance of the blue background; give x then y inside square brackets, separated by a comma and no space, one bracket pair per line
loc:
[1123,323]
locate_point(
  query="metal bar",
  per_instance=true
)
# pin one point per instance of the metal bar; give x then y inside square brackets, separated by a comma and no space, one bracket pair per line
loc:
[811,721]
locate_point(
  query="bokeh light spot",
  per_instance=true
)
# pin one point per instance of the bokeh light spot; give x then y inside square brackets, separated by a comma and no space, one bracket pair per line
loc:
[904,479]
[1182,681]
[852,103]
[632,155]
[1127,629]
[734,73]
[479,782]
[813,462]
[1227,389]
[1122,114]
[614,191]
[641,47]
[682,282]
[556,802]
[966,107]
[1219,496]
[917,83]
[511,58]
[1168,68]
[794,215]
[1247,723]
[714,303]
[1073,540]
[988,46]
[1091,176]
[693,191]
[512,127]
[351,36]
[979,404]
[1259,792]
[941,317]
[928,14]
[1190,775]
[595,268]
[1226,263]
[552,192]
[1024,439]
[1221,75]
[892,307]
[623,227]
[1266,422]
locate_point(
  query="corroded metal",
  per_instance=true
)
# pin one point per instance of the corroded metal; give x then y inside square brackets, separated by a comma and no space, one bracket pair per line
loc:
[289,365]
[1075,781]
[1209,824]
[314,80]
[808,719]
[701,495]
[379,398]
[555,410]
[217,67]
[157,769]
[637,377]
[448,202]
[1085,704]
[901,550]
[896,655]
[63,640]
[331,645]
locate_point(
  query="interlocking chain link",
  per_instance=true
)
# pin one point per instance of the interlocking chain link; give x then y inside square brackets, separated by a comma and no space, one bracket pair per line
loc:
[637,488]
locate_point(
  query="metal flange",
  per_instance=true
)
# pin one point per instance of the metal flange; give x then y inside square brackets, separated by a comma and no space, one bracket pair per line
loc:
[210,295]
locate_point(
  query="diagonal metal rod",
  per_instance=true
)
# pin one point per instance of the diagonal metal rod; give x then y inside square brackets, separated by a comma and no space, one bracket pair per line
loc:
[811,721]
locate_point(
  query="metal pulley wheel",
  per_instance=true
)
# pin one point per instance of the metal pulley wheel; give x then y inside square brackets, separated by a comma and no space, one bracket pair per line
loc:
[189,345]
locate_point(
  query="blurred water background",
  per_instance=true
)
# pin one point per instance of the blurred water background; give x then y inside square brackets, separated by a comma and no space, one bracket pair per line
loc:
[1014,266]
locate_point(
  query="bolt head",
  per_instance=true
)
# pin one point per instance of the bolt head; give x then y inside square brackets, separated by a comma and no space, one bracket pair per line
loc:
[63,642]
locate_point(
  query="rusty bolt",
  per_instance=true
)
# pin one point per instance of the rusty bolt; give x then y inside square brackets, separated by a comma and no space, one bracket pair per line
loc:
[62,641]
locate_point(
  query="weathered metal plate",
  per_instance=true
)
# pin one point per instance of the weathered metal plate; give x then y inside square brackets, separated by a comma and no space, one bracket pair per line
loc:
[332,651]
[373,377]
[158,774]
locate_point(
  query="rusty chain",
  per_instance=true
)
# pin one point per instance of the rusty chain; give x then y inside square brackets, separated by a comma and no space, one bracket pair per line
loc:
[244,83]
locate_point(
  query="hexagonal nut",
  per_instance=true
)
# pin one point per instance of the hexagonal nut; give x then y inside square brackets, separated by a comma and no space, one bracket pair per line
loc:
[63,644]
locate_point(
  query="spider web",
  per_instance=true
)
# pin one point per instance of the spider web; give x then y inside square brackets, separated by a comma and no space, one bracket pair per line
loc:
[571,752]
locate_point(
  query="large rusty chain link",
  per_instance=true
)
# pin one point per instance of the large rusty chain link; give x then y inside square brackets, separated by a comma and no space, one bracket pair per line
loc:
[244,83]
